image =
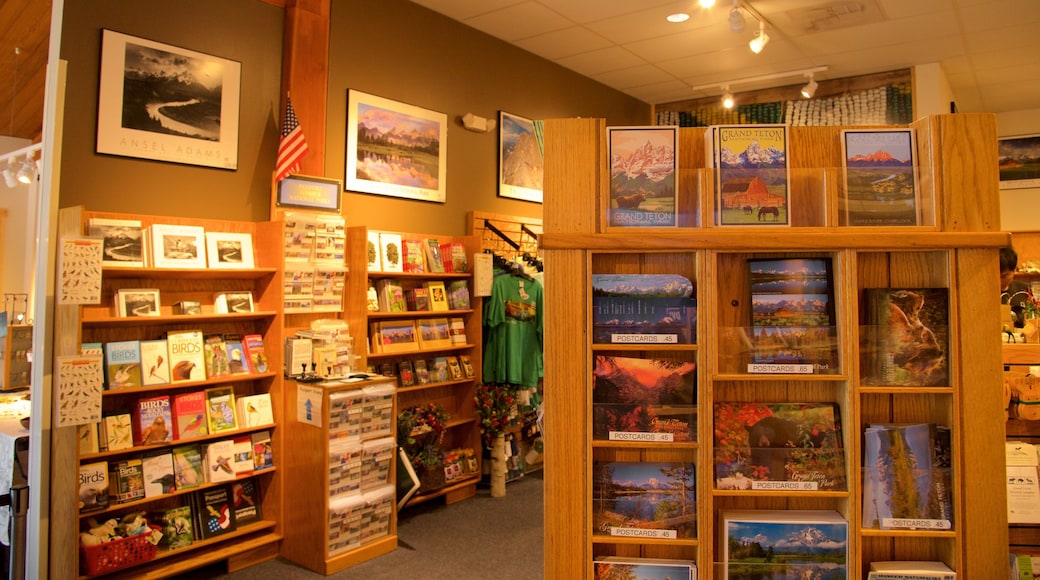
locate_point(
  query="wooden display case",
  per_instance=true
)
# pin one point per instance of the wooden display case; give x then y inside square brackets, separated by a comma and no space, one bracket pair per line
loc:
[454,395]
[955,245]
[250,543]
[17,352]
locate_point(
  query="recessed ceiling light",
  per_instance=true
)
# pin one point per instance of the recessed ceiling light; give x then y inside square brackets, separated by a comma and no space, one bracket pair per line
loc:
[678,17]
[706,3]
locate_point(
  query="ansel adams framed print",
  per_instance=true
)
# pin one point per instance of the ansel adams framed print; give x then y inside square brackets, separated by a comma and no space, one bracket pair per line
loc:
[520,160]
[229,250]
[167,103]
[395,149]
[1019,161]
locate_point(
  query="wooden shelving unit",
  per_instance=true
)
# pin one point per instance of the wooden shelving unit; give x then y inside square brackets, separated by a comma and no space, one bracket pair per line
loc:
[250,543]
[456,396]
[954,249]
[1022,538]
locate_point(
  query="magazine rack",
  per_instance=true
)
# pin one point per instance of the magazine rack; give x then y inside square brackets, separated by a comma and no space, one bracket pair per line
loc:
[952,250]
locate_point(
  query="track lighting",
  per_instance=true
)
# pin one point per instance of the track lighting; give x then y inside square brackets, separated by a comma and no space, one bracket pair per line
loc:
[27,172]
[9,173]
[810,88]
[19,171]
[706,3]
[736,19]
[759,42]
[727,98]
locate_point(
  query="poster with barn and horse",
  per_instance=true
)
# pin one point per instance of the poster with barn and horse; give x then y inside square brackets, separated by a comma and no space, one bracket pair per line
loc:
[751,172]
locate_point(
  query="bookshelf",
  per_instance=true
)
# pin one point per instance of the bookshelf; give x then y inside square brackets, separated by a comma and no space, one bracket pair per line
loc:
[956,243]
[249,543]
[454,395]
[1022,538]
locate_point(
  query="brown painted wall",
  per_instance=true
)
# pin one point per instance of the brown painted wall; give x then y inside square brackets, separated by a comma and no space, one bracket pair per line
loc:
[391,48]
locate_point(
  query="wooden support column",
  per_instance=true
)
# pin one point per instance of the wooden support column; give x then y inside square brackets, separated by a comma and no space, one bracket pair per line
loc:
[305,72]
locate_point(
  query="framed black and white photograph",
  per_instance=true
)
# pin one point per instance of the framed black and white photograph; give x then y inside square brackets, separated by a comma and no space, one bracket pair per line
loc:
[226,250]
[520,159]
[1019,161]
[137,302]
[176,246]
[167,103]
[233,302]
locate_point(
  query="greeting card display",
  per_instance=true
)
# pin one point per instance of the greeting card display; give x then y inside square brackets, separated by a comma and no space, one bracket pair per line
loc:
[643,309]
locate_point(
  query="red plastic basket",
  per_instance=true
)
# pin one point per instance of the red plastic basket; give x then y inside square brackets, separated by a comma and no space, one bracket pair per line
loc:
[116,554]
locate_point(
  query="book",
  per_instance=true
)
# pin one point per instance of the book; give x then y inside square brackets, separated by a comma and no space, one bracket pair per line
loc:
[613,567]
[236,354]
[458,295]
[907,477]
[395,336]
[263,457]
[299,355]
[422,374]
[255,410]
[438,369]
[625,495]
[390,255]
[246,501]
[815,543]
[457,330]
[157,471]
[453,254]
[152,420]
[187,307]
[910,570]
[417,299]
[438,296]
[116,431]
[643,399]
[414,255]
[187,355]
[467,366]
[454,368]
[220,409]
[214,351]
[880,178]
[125,480]
[242,458]
[122,364]
[434,263]
[391,295]
[92,348]
[176,526]
[217,460]
[793,328]
[213,511]
[907,337]
[87,438]
[177,246]
[189,415]
[751,173]
[643,309]
[255,355]
[233,302]
[93,486]
[375,263]
[433,333]
[1023,483]
[778,446]
[122,241]
[187,466]
[406,374]
[155,366]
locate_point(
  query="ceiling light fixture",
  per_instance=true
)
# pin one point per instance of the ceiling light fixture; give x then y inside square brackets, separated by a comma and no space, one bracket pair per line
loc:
[808,72]
[706,3]
[759,42]
[678,17]
[727,98]
[810,88]
[736,19]
[28,171]
[9,173]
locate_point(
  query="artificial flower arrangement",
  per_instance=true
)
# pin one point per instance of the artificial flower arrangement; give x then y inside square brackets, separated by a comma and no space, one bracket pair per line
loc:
[420,430]
[496,407]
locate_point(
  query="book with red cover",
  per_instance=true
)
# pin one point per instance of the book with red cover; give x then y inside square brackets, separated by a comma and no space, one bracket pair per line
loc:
[253,344]
[453,254]
[189,415]
[152,420]
[414,255]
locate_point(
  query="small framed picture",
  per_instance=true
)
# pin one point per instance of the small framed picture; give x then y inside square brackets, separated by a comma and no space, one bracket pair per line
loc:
[229,250]
[137,302]
[1019,161]
[176,246]
[233,302]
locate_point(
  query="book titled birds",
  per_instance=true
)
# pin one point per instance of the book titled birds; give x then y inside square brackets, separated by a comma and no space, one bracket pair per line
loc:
[126,480]
[122,364]
[93,486]
[152,420]
[187,355]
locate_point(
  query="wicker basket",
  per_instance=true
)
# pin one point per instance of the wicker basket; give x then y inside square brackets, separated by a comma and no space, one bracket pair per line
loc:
[116,554]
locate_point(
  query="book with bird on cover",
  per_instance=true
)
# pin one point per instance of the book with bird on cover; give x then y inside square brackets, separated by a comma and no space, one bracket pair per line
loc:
[152,420]
[187,355]
[122,364]
[189,415]
[155,368]
[220,409]
[255,410]
[158,473]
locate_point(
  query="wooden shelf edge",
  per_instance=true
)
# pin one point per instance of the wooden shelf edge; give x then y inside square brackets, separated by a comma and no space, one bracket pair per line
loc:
[471,481]
[141,449]
[421,275]
[186,385]
[360,554]
[165,320]
[414,352]
[639,541]
[418,314]
[414,388]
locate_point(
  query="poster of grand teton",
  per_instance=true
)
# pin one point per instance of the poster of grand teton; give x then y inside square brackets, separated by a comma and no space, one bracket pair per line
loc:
[880,178]
[642,176]
[751,174]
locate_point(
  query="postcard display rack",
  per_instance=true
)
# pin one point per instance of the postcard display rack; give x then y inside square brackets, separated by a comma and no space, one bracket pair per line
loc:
[247,544]
[456,396]
[955,249]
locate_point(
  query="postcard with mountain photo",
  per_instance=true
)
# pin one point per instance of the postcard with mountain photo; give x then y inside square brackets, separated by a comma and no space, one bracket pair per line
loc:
[751,174]
[643,174]
[644,399]
[881,186]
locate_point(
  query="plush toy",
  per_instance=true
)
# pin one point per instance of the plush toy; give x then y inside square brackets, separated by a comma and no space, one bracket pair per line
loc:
[134,524]
[99,533]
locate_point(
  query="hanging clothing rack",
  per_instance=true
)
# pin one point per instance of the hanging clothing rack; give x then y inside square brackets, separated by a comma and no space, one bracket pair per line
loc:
[501,234]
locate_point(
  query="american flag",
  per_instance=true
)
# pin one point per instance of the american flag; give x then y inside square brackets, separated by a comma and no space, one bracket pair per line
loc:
[293,145]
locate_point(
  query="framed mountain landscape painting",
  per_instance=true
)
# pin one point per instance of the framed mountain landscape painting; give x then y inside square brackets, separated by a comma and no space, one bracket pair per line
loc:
[519,158]
[881,186]
[642,177]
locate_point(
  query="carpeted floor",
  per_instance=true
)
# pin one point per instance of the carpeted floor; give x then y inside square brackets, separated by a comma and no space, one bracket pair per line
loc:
[481,537]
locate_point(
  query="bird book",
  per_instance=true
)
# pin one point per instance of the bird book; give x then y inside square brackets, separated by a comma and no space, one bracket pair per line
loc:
[93,486]
[187,466]
[246,501]
[158,473]
[236,354]
[255,410]
[255,355]
[155,368]
[187,355]
[220,409]
[213,510]
[116,431]
[122,364]
[125,480]
[152,420]
[217,460]
[177,529]
[189,415]
[215,352]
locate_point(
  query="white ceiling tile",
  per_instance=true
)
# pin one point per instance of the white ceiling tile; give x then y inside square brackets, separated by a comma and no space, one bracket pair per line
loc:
[585,11]
[563,43]
[601,61]
[634,77]
[519,21]
[463,9]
